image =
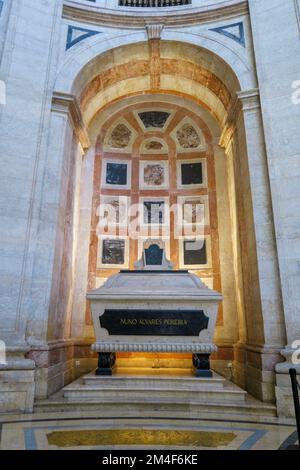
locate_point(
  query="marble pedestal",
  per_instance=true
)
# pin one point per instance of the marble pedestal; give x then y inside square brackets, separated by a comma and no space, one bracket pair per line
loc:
[284,394]
[17,382]
[161,292]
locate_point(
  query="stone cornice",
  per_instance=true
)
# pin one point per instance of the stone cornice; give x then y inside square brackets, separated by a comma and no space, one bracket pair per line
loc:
[67,104]
[96,15]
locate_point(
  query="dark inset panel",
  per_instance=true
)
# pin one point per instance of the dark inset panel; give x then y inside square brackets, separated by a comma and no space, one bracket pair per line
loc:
[154,255]
[113,252]
[154,119]
[191,173]
[116,173]
[194,252]
[154,322]
[154,212]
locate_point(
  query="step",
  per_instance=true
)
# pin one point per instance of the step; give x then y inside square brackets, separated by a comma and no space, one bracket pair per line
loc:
[183,397]
[149,389]
[153,371]
[89,395]
[144,382]
[250,410]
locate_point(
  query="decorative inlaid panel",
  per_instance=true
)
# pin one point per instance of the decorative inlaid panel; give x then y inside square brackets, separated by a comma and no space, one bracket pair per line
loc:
[160,240]
[75,34]
[192,173]
[113,252]
[195,253]
[116,174]
[114,210]
[120,137]
[188,137]
[146,438]
[234,31]
[153,145]
[154,212]
[154,255]
[194,210]
[156,119]
[154,175]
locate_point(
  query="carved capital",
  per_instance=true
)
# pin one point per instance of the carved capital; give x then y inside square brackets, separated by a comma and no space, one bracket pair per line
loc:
[230,125]
[249,99]
[246,101]
[154,31]
[67,104]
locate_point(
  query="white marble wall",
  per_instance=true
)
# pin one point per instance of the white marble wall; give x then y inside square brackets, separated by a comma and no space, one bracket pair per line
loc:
[28,65]
[42,201]
[26,68]
[277,69]
[4,15]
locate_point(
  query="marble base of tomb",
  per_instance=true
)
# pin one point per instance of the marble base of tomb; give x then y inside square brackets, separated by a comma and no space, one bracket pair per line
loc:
[160,311]
[201,354]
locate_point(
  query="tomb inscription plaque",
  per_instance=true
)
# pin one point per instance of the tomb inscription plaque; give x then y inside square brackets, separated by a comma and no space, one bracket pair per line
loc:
[154,322]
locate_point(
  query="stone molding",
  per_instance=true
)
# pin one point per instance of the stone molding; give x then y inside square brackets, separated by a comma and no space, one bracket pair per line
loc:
[96,15]
[66,104]
[18,364]
[263,349]
[18,349]
[250,99]
[53,344]
[230,125]
[297,10]
[175,347]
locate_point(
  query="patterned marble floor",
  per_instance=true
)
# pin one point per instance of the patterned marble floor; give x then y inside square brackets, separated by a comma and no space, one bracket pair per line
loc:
[67,431]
